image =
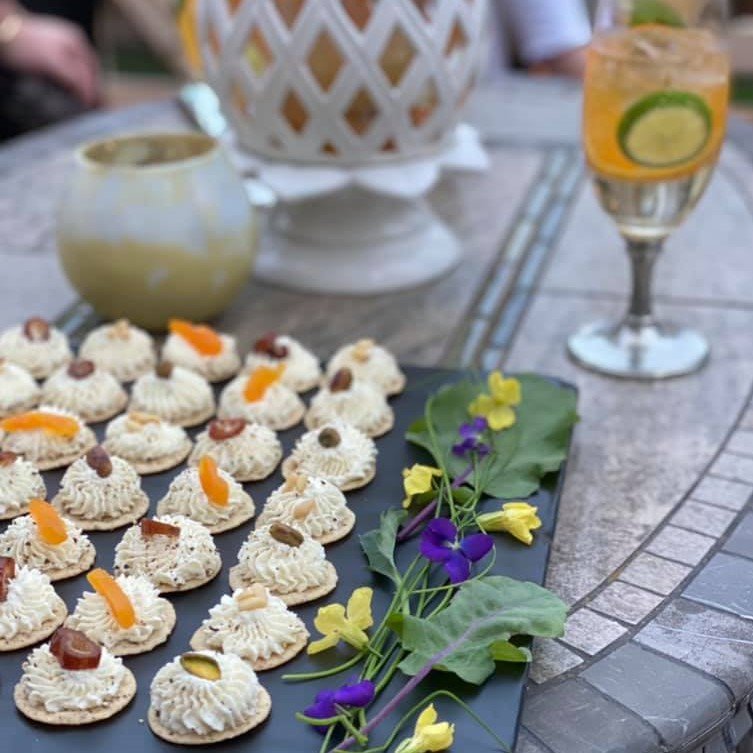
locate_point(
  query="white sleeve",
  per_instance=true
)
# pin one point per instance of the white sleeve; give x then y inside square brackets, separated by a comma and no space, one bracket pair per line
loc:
[544,29]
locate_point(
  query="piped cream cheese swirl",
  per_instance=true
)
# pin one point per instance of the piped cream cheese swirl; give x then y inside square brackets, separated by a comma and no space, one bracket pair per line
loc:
[253,454]
[177,398]
[18,389]
[256,634]
[125,351]
[278,409]
[281,568]
[22,541]
[186,496]
[93,616]
[187,704]
[39,357]
[362,405]
[328,513]
[31,602]
[20,482]
[302,370]
[225,364]
[97,394]
[166,561]
[142,442]
[55,689]
[85,494]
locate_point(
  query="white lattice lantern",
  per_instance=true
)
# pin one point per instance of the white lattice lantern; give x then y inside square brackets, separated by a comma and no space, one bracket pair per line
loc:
[364,95]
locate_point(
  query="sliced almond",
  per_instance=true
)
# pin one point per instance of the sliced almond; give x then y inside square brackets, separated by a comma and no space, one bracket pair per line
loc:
[252,598]
[303,509]
[138,420]
[121,330]
[295,483]
[363,349]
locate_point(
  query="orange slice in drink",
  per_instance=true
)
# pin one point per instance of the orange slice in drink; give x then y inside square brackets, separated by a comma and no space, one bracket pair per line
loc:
[261,380]
[204,340]
[50,525]
[214,486]
[50,423]
[117,602]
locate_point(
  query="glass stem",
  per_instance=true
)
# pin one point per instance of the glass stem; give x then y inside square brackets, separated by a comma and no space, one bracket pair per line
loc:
[643,255]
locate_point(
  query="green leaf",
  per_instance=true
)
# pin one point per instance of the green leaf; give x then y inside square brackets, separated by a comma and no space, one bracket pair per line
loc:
[509,652]
[536,445]
[379,545]
[484,614]
[655,12]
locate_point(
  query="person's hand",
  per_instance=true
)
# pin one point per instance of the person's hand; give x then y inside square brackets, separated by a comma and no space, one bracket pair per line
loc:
[57,49]
[570,63]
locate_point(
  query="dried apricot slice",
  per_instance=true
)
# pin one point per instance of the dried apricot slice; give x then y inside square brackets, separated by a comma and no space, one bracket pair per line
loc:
[50,525]
[117,602]
[37,420]
[214,486]
[202,339]
[74,651]
[261,380]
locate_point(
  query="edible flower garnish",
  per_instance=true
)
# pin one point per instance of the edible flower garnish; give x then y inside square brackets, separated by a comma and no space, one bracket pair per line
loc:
[418,480]
[516,518]
[440,543]
[328,703]
[336,622]
[429,735]
[470,436]
[497,406]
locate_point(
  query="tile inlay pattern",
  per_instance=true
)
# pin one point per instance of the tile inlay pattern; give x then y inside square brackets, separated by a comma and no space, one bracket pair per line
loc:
[654,551]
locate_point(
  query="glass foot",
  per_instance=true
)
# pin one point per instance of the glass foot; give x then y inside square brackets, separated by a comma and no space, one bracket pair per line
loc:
[651,352]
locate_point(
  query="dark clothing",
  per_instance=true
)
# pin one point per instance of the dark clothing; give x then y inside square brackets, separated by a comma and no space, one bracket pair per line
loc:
[81,12]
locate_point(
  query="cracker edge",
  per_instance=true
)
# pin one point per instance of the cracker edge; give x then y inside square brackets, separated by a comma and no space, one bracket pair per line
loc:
[45,630]
[72,571]
[125,519]
[288,470]
[296,597]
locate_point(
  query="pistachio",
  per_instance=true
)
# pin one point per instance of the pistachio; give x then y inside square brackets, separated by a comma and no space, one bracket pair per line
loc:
[362,350]
[7,458]
[303,509]
[286,535]
[80,369]
[202,666]
[37,329]
[164,369]
[329,437]
[120,330]
[341,381]
[252,598]
[99,460]
[295,483]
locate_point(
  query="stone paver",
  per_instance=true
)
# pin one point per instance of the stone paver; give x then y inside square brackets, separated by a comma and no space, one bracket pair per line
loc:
[625,602]
[747,420]
[726,582]
[703,518]
[715,642]
[734,467]
[678,701]
[528,744]
[721,492]
[741,442]
[590,632]
[573,717]
[551,659]
[741,539]
[655,573]
[680,545]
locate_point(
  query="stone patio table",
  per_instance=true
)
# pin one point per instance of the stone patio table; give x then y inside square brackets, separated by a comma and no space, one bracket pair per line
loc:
[654,549]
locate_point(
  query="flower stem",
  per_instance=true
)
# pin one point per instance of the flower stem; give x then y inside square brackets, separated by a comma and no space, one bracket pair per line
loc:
[410,528]
[303,677]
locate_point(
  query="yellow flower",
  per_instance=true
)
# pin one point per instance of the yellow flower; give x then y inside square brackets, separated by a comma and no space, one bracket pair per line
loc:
[516,518]
[418,480]
[429,735]
[336,622]
[497,407]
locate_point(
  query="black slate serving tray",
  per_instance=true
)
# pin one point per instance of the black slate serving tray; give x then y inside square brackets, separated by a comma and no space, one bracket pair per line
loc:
[498,702]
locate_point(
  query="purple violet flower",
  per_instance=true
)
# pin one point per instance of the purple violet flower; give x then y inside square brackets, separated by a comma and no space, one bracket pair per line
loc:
[470,435]
[354,695]
[440,544]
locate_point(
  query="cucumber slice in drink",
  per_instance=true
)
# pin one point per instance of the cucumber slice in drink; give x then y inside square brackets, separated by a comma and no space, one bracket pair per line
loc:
[665,129]
[655,12]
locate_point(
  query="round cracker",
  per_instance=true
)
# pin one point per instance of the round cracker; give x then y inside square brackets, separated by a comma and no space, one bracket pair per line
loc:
[64,461]
[20,408]
[10,515]
[159,465]
[77,718]
[199,643]
[397,386]
[188,585]
[237,518]
[293,598]
[84,564]
[45,630]
[347,523]
[106,413]
[138,510]
[263,709]
[290,467]
[294,421]
[379,430]
[196,418]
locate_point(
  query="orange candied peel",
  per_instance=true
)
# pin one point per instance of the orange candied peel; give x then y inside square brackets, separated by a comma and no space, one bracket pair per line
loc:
[50,525]
[203,339]
[214,486]
[117,602]
[36,420]
[261,380]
